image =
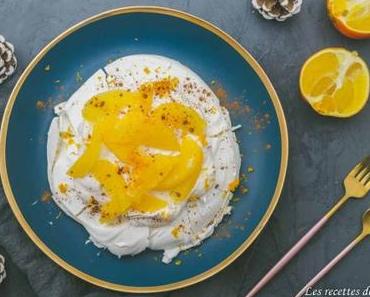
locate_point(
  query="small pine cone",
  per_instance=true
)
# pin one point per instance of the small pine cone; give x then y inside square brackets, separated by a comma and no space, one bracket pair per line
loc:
[278,10]
[2,269]
[8,61]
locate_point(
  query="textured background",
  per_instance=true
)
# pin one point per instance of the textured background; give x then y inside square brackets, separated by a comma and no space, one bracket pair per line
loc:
[322,150]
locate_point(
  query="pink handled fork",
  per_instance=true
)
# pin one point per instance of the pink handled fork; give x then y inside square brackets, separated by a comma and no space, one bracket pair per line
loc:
[356,185]
[365,232]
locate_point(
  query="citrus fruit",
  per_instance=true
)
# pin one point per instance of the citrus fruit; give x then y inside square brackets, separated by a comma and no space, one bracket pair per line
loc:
[335,82]
[351,17]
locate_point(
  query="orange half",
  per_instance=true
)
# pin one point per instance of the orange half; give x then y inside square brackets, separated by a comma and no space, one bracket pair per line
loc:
[351,17]
[335,82]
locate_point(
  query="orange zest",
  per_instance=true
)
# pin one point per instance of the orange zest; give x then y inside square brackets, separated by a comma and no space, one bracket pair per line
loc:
[234,185]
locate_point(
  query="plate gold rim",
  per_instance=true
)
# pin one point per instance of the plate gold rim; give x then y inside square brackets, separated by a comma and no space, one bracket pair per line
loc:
[250,60]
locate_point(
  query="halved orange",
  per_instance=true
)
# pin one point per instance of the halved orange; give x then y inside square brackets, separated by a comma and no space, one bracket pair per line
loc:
[351,17]
[335,82]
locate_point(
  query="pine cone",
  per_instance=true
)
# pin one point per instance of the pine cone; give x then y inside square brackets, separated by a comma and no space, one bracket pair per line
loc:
[2,269]
[278,10]
[8,61]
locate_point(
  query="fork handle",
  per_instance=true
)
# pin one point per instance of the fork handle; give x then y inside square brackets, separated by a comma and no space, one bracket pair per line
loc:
[329,266]
[288,256]
[297,247]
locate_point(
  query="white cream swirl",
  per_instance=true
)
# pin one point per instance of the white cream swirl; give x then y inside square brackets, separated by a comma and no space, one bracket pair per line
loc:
[194,220]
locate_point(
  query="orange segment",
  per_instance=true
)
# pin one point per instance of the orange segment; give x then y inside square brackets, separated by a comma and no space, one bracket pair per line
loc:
[122,152]
[149,203]
[181,192]
[188,165]
[124,130]
[179,116]
[158,135]
[350,17]
[136,129]
[335,82]
[111,103]
[106,173]
[151,170]
[87,160]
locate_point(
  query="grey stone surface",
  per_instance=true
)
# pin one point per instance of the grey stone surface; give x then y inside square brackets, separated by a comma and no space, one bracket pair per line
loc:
[322,150]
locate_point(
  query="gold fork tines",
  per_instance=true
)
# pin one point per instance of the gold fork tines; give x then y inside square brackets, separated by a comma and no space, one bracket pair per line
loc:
[365,174]
[357,181]
[356,185]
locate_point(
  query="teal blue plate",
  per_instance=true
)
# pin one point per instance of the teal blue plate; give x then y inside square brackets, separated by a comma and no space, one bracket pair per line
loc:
[58,71]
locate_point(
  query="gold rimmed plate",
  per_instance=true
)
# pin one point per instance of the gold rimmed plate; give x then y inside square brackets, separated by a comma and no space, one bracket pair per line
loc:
[78,53]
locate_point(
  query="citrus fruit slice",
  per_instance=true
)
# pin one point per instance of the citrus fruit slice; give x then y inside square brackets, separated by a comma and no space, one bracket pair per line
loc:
[189,164]
[351,17]
[335,82]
